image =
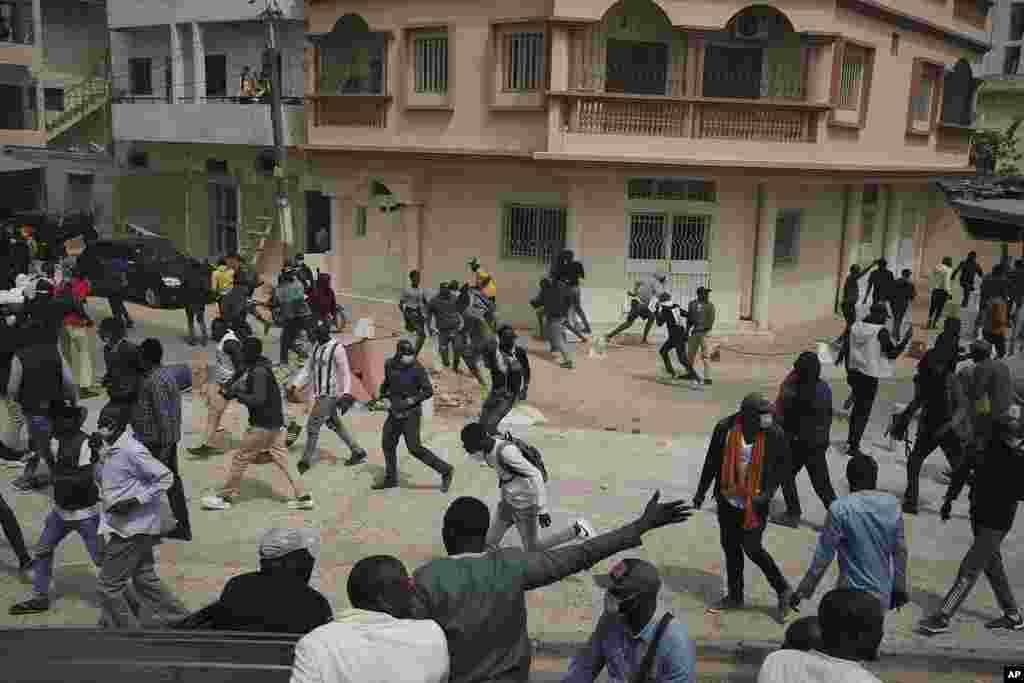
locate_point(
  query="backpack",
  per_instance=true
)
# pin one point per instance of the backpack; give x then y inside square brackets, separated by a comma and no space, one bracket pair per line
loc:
[531,454]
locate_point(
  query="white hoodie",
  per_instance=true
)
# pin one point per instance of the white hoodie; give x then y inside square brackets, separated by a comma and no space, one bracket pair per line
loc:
[521,492]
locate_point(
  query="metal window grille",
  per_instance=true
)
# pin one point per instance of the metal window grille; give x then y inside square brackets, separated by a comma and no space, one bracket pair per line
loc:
[533,232]
[787,236]
[524,61]
[851,77]
[690,238]
[672,189]
[647,236]
[360,221]
[921,103]
[431,63]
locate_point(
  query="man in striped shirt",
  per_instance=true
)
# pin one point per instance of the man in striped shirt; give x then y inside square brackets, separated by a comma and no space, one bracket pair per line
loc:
[327,373]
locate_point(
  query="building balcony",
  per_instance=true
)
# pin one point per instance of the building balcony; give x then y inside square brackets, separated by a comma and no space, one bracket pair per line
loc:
[17,38]
[212,120]
[621,124]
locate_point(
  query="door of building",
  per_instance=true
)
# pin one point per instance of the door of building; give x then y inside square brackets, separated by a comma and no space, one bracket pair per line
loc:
[637,68]
[223,218]
[733,71]
[674,243]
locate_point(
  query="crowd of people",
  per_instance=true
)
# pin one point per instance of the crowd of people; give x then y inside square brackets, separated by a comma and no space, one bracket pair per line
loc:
[463,618]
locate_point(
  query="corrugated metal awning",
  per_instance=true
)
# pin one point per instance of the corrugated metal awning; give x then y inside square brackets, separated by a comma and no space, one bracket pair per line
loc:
[11,165]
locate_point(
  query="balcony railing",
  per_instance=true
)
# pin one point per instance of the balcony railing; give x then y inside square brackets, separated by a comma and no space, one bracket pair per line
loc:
[364,111]
[696,117]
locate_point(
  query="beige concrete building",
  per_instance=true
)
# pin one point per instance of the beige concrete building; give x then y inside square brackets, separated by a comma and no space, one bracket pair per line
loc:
[759,148]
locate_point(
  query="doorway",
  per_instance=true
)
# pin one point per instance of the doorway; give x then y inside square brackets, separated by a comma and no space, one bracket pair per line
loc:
[733,71]
[223,219]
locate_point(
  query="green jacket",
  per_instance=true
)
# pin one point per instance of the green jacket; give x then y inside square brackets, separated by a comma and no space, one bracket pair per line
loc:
[480,601]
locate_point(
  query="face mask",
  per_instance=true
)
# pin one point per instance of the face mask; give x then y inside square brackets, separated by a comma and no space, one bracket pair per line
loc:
[614,605]
[406,360]
[107,432]
[475,456]
[766,420]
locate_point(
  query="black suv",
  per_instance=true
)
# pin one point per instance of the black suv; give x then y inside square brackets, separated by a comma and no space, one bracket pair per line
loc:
[155,270]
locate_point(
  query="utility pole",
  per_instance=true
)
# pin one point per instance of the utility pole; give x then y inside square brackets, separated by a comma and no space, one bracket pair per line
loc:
[272,63]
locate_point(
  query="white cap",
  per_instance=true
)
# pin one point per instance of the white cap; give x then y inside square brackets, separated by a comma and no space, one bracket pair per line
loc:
[280,542]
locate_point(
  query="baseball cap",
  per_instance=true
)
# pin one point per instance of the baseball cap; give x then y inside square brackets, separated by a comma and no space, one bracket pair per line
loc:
[629,577]
[278,542]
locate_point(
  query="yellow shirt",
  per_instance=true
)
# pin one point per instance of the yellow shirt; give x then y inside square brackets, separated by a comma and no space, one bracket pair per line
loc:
[491,289]
[223,280]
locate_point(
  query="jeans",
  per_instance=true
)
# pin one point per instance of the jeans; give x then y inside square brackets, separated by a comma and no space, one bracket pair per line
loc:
[168,455]
[985,555]
[936,305]
[864,388]
[325,411]
[12,530]
[926,443]
[127,561]
[497,405]
[577,308]
[813,458]
[676,342]
[409,427]
[195,314]
[737,542]
[54,531]
[527,524]
[40,434]
[554,329]
[898,314]
[416,325]
[290,334]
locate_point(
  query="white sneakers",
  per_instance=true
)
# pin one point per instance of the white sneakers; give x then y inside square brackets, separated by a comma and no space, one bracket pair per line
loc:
[216,503]
[584,530]
[219,503]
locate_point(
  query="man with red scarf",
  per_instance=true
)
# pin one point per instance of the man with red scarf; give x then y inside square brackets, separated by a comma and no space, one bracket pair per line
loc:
[747,460]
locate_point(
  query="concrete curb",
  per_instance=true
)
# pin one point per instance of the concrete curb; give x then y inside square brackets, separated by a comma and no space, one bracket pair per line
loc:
[899,658]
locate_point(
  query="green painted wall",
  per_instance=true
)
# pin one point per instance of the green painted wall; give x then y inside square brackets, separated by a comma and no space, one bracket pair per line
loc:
[998,107]
[174,193]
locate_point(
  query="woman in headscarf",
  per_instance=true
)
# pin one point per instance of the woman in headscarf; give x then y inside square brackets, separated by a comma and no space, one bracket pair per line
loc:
[804,410]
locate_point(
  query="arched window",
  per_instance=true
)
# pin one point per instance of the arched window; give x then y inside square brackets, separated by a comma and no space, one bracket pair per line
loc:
[759,54]
[958,95]
[351,59]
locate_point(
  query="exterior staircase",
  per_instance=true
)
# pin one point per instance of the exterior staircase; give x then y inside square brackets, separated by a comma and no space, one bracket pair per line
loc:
[80,100]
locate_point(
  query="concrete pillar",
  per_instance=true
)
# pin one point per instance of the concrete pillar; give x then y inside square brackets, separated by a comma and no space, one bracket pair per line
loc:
[893,225]
[559,58]
[764,256]
[199,63]
[177,65]
[573,227]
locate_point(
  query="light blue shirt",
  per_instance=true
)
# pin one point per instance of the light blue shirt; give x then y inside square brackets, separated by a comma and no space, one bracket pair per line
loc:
[613,646]
[866,529]
[128,470]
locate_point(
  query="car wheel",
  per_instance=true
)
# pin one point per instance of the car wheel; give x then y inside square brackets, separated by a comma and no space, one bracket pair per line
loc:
[152,298]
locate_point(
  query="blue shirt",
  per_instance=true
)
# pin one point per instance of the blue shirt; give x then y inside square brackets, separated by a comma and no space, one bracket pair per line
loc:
[866,529]
[613,646]
[128,470]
